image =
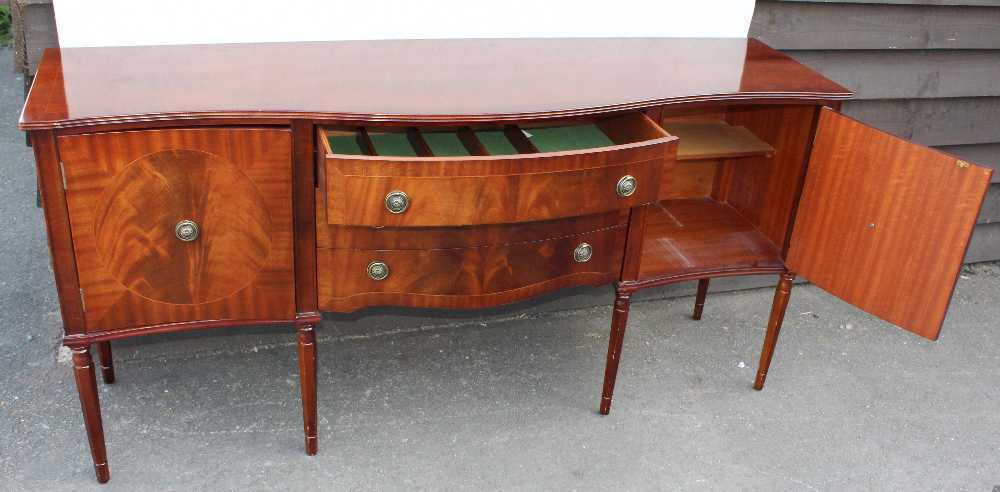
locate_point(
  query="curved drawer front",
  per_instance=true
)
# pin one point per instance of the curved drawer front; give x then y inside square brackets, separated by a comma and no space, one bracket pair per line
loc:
[472,277]
[370,190]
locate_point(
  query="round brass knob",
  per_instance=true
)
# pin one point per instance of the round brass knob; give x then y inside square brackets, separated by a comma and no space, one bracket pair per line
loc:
[186,230]
[397,202]
[583,253]
[626,186]
[378,270]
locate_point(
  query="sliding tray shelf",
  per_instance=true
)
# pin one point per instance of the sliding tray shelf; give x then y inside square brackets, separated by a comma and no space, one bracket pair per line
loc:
[715,140]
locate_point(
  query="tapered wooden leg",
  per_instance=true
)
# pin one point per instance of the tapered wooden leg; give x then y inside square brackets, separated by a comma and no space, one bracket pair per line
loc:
[699,299]
[618,321]
[307,378]
[107,364]
[781,295]
[86,385]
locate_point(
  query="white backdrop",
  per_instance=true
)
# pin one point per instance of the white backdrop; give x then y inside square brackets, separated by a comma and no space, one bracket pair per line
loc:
[149,22]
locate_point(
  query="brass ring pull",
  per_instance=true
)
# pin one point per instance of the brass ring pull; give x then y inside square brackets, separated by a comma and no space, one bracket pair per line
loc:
[397,202]
[186,230]
[626,186]
[378,270]
[583,253]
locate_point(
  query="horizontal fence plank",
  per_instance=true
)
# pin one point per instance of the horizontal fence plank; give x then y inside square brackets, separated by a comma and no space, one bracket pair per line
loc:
[916,74]
[840,26]
[950,121]
[991,206]
[985,245]
[984,154]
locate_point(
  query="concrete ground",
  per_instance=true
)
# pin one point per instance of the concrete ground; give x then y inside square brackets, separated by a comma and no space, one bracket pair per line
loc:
[504,398]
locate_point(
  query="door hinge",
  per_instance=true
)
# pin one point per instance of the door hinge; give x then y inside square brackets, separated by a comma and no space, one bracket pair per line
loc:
[83,300]
[62,172]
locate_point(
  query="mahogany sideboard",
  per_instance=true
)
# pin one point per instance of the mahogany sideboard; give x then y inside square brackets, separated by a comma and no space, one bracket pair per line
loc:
[190,187]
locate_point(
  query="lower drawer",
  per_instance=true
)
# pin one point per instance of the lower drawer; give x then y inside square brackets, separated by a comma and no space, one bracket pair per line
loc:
[470,277]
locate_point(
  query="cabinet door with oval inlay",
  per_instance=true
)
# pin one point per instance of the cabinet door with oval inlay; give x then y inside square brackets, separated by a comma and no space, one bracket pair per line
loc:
[181,225]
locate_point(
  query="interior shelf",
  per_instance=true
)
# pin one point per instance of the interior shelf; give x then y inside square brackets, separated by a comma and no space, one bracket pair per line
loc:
[715,140]
[689,236]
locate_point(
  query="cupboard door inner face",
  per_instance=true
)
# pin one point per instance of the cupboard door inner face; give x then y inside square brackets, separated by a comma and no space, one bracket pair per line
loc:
[884,223]
[181,225]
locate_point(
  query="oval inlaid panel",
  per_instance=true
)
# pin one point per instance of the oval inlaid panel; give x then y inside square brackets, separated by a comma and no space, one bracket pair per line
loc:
[138,212]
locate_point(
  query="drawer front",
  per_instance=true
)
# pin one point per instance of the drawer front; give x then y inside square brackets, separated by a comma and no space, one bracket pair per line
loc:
[181,225]
[368,190]
[451,200]
[471,277]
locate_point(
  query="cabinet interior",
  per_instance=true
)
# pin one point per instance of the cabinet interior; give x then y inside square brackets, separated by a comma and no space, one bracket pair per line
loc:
[728,203]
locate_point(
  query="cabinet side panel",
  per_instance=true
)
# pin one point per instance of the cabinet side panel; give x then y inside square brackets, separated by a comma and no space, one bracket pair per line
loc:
[766,189]
[57,226]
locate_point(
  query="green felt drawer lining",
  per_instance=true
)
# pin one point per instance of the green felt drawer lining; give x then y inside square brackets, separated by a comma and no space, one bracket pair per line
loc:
[495,142]
[345,144]
[392,144]
[447,144]
[575,137]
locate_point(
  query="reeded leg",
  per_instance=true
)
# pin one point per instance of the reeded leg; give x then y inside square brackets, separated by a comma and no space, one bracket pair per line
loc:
[781,295]
[699,299]
[107,364]
[86,385]
[307,378]
[618,321]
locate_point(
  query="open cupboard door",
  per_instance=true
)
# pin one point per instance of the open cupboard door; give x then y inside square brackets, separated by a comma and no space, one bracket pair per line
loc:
[884,223]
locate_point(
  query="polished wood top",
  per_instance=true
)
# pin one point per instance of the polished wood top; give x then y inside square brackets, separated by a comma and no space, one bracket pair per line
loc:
[414,81]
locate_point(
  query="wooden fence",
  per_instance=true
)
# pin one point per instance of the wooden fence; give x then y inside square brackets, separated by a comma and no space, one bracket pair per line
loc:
[926,70]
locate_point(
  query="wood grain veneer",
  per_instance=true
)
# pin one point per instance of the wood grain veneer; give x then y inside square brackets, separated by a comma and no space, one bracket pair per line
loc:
[360,237]
[765,189]
[715,140]
[470,277]
[884,223]
[465,81]
[57,225]
[692,179]
[689,236]
[127,190]
[304,214]
[457,191]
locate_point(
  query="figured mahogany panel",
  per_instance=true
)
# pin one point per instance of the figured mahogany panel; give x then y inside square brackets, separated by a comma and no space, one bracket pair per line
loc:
[127,191]
[700,235]
[143,203]
[884,223]
[456,81]
[468,278]
[457,191]
[765,189]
